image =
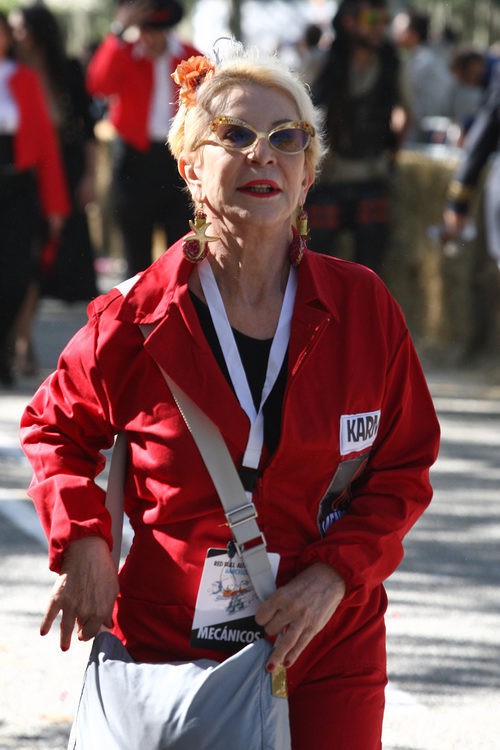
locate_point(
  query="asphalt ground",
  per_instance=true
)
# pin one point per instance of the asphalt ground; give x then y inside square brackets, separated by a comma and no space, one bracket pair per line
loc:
[443,620]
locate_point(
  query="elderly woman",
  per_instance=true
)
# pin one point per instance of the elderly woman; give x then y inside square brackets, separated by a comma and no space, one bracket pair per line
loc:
[305,365]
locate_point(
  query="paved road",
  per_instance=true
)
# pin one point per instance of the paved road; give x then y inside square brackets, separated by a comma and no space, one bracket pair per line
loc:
[443,621]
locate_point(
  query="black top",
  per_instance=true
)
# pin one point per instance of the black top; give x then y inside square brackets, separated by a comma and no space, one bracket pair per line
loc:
[6,150]
[254,355]
[358,127]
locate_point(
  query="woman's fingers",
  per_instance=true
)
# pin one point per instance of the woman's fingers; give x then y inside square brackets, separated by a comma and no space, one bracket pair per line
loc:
[84,593]
[299,610]
[87,629]
[68,621]
[289,645]
[51,612]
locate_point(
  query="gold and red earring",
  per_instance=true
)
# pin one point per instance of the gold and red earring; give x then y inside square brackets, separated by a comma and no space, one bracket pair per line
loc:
[195,245]
[299,242]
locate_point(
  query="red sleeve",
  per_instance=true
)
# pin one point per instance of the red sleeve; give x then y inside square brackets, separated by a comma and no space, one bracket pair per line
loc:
[63,431]
[38,146]
[366,545]
[51,173]
[106,69]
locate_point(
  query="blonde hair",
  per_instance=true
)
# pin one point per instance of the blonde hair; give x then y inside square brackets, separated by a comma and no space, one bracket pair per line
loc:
[244,66]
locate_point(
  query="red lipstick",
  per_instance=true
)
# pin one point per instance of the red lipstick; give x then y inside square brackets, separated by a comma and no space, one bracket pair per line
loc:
[260,188]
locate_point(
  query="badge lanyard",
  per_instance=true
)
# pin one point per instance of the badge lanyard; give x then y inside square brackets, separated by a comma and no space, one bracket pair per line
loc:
[233,360]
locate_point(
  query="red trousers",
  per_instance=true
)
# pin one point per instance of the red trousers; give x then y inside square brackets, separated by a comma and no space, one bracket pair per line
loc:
[337,687]
[342,713]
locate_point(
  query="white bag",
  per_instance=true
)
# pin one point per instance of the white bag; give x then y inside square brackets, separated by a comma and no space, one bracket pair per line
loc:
[201,705]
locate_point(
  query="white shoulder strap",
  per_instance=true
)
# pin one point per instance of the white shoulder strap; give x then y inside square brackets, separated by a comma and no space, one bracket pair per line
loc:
[115,493]
[240,513]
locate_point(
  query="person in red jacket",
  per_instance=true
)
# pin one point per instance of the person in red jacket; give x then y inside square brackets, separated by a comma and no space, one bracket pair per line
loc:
[135,76]
[305,364]
[31,179]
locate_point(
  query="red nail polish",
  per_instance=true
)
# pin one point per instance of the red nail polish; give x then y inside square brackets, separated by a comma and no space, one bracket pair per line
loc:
[43,632]
[270,667]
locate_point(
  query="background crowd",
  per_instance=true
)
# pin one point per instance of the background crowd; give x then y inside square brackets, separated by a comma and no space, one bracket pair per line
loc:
[386,83]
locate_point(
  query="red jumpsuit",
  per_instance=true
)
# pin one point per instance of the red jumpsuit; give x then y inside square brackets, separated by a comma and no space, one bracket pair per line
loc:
[349,478]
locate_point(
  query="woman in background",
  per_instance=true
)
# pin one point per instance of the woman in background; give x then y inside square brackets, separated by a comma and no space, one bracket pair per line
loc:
[65,271]
[31,181]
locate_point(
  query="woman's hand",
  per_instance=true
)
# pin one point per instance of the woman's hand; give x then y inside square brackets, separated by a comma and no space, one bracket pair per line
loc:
[299,610]
[85,591]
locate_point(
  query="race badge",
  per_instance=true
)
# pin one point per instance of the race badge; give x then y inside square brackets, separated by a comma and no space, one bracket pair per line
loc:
[226,603]
[358,431]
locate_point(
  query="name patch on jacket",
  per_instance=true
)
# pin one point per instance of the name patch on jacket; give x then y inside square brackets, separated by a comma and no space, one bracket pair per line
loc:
[358,431]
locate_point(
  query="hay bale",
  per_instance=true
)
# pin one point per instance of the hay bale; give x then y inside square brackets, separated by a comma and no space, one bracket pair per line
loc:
[438,286]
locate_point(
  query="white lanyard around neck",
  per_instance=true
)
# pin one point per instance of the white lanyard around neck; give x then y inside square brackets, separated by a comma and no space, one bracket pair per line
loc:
[233,360]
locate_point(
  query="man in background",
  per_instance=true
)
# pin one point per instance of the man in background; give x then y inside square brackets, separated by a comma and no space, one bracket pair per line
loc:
[135,76]
[428,80]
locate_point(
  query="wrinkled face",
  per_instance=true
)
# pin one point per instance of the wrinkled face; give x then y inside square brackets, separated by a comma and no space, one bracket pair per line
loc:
[259,184]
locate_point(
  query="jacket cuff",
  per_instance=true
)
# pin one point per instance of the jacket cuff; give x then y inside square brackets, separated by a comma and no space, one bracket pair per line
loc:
[355,592]
[74,531]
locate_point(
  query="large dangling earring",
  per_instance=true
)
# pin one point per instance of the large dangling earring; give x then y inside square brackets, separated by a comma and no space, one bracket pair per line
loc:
[195,246]
[299,242]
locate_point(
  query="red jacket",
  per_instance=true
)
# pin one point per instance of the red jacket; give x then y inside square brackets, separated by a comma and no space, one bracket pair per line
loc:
[35,143]
[118,70]
[350,355]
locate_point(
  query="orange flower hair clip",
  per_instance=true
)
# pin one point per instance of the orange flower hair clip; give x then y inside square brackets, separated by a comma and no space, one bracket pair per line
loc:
[190,74]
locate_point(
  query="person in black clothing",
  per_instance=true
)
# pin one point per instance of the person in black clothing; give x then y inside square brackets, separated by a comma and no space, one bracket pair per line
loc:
[358,90]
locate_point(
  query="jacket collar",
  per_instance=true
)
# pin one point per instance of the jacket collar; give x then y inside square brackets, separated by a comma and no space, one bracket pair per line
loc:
[156,289]
[164,284]
[160,297]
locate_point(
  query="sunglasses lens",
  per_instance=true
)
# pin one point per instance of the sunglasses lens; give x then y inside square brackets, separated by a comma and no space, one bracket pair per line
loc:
[289,140]
[234,136]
